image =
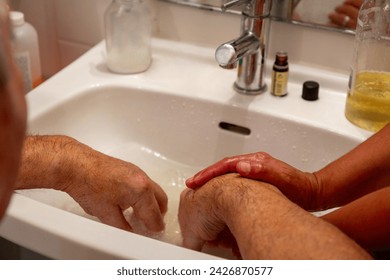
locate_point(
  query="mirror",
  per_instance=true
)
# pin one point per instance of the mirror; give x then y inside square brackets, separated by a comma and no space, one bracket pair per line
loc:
[338,15]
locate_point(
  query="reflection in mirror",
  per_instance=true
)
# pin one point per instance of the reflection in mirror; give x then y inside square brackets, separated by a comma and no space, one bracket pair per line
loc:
[332,13]
[339,15]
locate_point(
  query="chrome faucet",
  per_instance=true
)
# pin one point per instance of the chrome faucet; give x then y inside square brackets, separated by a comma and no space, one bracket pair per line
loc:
[249,50]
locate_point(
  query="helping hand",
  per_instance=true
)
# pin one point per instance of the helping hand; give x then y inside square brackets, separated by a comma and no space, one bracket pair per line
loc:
[300,187]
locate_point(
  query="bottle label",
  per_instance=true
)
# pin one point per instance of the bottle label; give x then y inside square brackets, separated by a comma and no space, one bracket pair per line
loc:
[279,83]
[23,61]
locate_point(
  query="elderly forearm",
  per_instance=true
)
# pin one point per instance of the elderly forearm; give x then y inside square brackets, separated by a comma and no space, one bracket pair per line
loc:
[268,226]
[363,170]
[45,162]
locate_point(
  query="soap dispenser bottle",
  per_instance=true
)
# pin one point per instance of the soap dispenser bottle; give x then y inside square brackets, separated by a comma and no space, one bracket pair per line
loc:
[128,28]
[25,48]
[368,101]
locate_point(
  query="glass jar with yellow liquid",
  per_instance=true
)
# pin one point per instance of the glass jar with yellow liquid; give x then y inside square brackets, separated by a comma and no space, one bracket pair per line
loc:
[368,101]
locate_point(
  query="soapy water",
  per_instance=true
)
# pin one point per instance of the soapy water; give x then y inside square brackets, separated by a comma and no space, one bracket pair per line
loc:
[170,175]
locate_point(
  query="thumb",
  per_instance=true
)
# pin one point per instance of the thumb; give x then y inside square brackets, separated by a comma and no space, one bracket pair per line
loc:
[247,169]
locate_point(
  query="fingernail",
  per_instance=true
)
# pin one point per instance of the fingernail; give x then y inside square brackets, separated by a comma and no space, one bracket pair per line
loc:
[244,167]
[189,181]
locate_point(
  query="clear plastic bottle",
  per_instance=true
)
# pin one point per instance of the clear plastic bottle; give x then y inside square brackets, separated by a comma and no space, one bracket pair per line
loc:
[368,101]
[26,50]
[128,26]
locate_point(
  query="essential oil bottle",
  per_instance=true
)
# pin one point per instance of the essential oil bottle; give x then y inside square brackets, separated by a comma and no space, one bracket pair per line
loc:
[280,74]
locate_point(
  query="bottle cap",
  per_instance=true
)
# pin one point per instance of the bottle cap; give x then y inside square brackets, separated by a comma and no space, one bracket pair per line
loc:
[17,18]
[310,90]
[281,58]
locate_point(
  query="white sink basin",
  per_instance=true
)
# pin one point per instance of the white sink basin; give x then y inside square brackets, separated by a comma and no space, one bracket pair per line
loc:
[176,118]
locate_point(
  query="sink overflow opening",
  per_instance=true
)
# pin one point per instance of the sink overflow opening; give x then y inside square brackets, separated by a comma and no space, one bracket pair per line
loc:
[235,128]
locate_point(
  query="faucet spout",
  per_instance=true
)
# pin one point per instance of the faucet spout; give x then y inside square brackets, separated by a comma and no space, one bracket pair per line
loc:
[229,53]
[248,51]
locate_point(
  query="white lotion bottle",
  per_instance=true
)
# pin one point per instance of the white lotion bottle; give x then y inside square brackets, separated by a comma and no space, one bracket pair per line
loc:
[25,47]
[128,28]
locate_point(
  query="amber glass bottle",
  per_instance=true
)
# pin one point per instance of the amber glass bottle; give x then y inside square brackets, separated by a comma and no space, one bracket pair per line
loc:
[280,74]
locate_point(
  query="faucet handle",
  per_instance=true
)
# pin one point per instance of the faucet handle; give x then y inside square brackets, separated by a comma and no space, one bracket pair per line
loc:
[233,3]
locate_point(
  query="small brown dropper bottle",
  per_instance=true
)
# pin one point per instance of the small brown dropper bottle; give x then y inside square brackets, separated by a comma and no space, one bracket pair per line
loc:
[280,74]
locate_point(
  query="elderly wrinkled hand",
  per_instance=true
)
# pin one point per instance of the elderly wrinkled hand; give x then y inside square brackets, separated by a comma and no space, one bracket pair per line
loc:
[108,186]
[203,212]
[103,186]
[300,187]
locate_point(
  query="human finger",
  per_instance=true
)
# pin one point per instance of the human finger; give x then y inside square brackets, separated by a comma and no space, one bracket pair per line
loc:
[148,210]
[348,10]
[113,216]
[226,165]
[342,20]
[221,167]
[266,168]
[190,239]
[161,197]
[345,16]
[355,3]
[278,174]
